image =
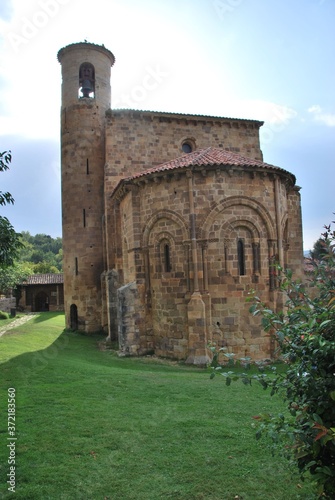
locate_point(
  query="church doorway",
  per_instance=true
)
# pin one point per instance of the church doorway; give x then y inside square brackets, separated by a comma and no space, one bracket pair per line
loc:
[41,302]
[73,317]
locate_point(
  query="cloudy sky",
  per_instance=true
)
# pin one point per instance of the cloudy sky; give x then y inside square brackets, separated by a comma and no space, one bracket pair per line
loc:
[271,60]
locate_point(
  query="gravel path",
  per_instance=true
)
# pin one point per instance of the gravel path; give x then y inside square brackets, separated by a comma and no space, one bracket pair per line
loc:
[16,322]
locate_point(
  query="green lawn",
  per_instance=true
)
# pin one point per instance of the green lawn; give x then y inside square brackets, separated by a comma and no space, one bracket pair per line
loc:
[90,425]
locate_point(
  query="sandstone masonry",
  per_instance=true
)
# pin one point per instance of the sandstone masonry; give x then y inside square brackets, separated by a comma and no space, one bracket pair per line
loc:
[169,220]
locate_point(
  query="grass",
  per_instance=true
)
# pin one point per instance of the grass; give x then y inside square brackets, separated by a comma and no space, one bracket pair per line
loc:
[90,425]
[5,322]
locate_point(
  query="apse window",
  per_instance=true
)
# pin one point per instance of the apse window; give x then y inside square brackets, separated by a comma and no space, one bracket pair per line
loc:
[241,257]
[167,258]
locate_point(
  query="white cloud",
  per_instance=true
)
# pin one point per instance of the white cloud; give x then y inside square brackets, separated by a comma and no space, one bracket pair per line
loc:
[321,116]
[270,112]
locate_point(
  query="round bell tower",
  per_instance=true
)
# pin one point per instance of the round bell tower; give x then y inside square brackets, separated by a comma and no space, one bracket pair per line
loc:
[86,95]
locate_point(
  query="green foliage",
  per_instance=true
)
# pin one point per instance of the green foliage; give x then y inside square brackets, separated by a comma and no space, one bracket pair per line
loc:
[4,315]
[9,243]
[5,159]
[305,334]
[43,251]
[11,276]
[9,239]
[319,250]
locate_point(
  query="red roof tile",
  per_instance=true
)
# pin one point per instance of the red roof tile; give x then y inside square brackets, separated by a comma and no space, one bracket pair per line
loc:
[45,279]
[207,157]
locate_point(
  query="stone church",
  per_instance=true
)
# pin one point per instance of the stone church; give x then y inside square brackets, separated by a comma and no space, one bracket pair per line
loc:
[169,220]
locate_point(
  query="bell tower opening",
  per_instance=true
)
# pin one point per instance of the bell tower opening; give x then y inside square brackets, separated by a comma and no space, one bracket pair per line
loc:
[86,81]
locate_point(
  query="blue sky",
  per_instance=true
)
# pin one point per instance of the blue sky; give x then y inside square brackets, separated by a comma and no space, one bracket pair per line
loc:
[271,60]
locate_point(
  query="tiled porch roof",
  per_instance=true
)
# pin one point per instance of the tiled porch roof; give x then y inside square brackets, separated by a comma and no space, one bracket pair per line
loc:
[45,279]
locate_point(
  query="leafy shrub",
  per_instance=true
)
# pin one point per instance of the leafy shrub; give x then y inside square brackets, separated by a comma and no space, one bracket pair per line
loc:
[4,315]
[305,335]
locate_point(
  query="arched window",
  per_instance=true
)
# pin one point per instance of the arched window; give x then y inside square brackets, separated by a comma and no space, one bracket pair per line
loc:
[87,80]
[241,257]
[167,258]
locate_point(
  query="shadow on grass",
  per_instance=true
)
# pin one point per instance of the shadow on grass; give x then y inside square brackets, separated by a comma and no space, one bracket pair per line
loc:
[73,350]
[47,315]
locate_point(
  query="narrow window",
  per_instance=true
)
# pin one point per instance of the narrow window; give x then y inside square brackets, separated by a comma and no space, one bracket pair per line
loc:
[84,217]
[167,258]
[241,257]
[76,266]
[87,167]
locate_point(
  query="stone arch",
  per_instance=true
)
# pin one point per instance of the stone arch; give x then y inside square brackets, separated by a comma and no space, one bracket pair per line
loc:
[166,286]
[244,221]
[161,214]
[161,241]
[163,235]
[239,219]
[238,201]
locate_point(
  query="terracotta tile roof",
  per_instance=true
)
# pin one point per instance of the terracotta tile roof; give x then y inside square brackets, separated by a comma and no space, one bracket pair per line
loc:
[44,279]
[207,157]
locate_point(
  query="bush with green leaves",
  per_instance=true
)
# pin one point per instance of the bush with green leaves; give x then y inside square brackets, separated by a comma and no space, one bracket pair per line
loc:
[4,315]
[10,243]
[305,335]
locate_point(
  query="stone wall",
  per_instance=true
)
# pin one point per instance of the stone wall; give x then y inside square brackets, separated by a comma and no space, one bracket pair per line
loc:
[139,140]
[83,161]
[230,207]
[7,304]
[130,317]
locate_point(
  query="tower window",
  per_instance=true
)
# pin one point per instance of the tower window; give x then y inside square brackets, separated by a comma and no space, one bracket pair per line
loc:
[241,257]
[86,80]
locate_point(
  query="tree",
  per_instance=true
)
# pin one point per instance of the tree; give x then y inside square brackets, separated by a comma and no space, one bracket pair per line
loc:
[9,239]
[42,250]
[319,250]
[44,267]
[11,276]
[305,334]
